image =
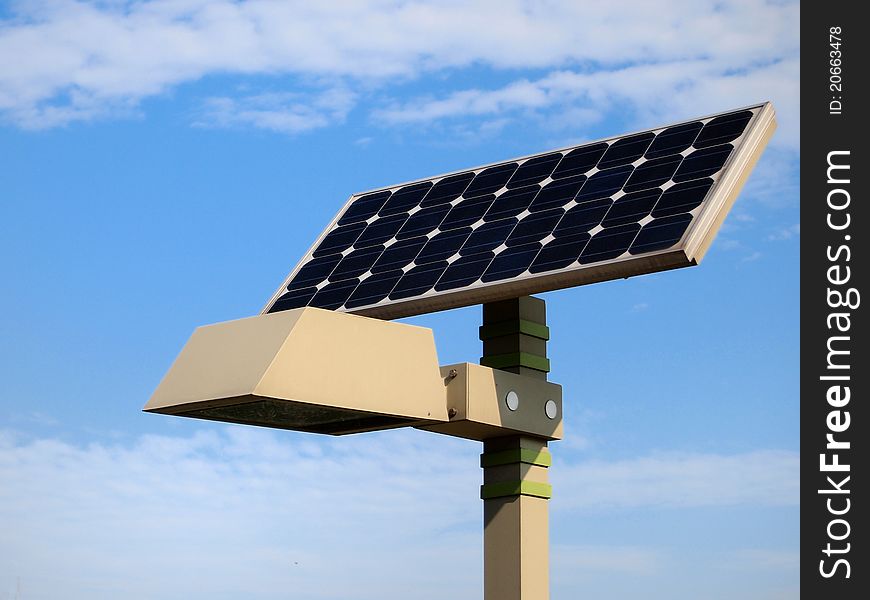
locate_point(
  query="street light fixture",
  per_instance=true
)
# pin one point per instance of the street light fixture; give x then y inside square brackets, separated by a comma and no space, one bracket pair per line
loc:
[320,359]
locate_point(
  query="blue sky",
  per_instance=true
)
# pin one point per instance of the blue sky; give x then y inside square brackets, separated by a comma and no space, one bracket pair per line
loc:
[164,164]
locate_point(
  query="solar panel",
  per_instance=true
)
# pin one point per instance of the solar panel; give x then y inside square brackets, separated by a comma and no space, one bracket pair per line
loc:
[614,208]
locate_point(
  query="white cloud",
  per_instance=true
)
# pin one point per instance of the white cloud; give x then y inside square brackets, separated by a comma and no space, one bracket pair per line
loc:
[746,254]
[519,94]
[280,112]
[764,559]
[729,244]
[786,233]
[775,181]
[573,560]
[238,515]
[760,478]
[83,60]
[248,512]
[655,92]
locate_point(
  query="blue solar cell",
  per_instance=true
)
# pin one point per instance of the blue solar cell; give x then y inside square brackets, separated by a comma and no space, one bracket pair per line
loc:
[609,243]
[604,183]
[534,170]
[356,263]
[443,246]
[511,203]
[660,234]
[399,254]
[511,262]
[674,140]
[405,199]
[723,129]
[626,150]
[314,271]
[467,212]
[703,163]
[423,221]
[560,253]
[418,280]
[380,231]
[294,299]
[364,208]
[488,236]
[582,217]
[534,227]
[333,295]
[682,198]
[339,239]
[631,208]
[579,161]
[447,189]
[373,289]
[653,173]
[557,194]
[464,271]
[490,180]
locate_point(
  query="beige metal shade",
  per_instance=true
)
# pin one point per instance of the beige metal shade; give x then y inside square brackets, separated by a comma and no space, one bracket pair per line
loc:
[308,370]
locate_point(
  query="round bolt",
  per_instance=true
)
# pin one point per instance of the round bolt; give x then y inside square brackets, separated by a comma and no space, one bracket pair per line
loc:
[512,400]
[550,409]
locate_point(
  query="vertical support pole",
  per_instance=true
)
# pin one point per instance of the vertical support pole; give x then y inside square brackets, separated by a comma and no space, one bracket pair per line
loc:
[515,490]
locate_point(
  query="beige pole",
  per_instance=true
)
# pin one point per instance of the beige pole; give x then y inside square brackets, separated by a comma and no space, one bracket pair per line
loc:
[515,490]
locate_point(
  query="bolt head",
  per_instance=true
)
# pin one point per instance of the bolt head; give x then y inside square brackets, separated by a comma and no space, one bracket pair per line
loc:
[550,409]
[512,400]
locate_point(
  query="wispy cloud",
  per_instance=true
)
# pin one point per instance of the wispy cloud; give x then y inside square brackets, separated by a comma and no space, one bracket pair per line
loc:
[729,244]
[742,253]
[519,94]
[760,478]
[237,515]
[249,511]
[653,91]
[280,112]
[764,559]
[775,182]
[785,233]
[630,560]
[85,60]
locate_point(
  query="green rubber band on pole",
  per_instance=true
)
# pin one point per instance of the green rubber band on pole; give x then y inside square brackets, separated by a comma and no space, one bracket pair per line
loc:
[530,328]
[516,359]
[536,489]
[540,458]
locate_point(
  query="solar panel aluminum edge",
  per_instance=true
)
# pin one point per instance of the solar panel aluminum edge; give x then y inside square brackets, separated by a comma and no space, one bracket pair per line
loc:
[705,221]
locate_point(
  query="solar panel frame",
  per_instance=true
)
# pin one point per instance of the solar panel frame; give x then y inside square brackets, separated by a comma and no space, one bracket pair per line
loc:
[690,250]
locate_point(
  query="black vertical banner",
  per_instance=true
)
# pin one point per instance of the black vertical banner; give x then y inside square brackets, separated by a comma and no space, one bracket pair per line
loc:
[835,366]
